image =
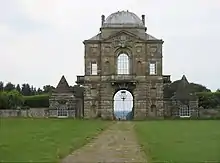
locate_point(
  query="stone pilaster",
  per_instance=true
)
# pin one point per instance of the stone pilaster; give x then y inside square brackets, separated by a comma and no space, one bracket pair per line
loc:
[140,101]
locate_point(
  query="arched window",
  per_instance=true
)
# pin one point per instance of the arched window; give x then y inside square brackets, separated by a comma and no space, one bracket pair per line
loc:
[123,64]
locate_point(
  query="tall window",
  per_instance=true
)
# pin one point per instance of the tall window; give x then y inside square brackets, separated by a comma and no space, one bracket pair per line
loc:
[152,69]
[184,111]
[62,111]
[94,68]
[123,64]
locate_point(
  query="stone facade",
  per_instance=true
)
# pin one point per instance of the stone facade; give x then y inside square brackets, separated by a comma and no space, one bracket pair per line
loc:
[123,32]
[63,102]
[183,103]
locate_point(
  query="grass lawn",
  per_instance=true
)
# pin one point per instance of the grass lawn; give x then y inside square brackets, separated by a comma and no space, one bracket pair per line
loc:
[180,141]
[44,140]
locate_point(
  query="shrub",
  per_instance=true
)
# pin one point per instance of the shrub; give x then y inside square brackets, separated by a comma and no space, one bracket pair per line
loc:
[11,99]
[37,101]
[209,99]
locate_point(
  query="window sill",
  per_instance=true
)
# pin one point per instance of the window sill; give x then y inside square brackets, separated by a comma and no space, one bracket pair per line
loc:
[62,116]
[184,116]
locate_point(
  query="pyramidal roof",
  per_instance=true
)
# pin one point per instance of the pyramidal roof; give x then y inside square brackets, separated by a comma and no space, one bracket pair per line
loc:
[183,84]
[63,86]
[183,90]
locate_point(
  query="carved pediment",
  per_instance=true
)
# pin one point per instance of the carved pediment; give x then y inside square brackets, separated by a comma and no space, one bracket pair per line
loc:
[123,39]
[62,101]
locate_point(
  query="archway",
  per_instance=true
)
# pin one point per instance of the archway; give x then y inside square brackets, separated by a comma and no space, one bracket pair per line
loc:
[123,105]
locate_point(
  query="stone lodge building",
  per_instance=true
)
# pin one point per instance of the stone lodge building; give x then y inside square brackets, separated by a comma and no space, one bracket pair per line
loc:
[123,56]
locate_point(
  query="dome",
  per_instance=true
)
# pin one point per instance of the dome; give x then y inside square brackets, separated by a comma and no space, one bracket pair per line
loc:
[123,18]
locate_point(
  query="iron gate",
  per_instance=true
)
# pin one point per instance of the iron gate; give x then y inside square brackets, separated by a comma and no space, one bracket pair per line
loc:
[123,105]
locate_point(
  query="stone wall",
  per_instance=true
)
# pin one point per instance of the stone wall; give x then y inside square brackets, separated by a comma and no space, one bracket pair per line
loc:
[45,112]
[199,113]
[209,113]
[33,112]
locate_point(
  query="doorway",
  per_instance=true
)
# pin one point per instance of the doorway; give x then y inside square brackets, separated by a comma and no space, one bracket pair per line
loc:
[123,105]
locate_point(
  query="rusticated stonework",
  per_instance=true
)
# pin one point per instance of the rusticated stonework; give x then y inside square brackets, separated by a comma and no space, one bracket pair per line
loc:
[62,100]
[122,33]
[142,49]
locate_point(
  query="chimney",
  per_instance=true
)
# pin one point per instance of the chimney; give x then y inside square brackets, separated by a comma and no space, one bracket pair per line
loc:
[143,19]
[103,19]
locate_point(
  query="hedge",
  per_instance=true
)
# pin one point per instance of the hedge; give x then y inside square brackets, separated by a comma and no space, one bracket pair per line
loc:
[37,101]
[209,99]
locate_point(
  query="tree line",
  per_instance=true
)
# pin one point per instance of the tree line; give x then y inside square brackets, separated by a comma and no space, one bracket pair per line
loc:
[12,96]
[25,89]
[207,98]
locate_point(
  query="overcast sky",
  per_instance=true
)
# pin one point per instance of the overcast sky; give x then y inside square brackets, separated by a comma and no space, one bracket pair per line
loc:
[41,40]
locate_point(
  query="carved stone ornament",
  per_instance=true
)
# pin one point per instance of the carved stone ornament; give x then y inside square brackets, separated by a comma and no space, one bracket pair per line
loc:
[62,101]
[153,49]
[107,49]
[93,48]
[138,49]
[122,41]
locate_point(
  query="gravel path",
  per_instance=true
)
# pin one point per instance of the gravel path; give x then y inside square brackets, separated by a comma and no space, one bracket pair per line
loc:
[117,144]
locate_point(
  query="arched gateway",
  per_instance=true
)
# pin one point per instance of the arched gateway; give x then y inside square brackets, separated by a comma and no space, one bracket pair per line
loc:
[122,56]
[123,105]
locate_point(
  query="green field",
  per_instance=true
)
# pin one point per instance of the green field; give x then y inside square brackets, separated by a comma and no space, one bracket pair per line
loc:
[44,140]
[49,140]
[180,141]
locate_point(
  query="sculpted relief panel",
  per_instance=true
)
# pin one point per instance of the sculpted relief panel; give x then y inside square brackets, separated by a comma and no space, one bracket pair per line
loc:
[139,48]
[93,48]
[155,50]
[122,41]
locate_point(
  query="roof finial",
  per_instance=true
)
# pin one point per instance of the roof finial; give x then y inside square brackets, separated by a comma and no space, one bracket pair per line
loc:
[103,19]
[143,19]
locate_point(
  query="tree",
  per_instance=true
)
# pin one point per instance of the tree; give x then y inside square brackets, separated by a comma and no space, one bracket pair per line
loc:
[169,90]
[1,86]
[209,99]
[48,89]
[33,90]
[4,100]
[15,99]
[18,88]
[26,90]
[218,90]
[9,87]
[39,91]
[11,99]
[198,88]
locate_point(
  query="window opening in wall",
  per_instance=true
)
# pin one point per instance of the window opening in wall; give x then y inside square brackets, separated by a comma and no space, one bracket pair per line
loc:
[153,108]
[184,111]
[62,111]
[94,68]
[123,64]
[152,68]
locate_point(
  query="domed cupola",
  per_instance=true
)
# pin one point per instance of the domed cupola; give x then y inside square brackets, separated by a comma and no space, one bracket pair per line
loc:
[123,19]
